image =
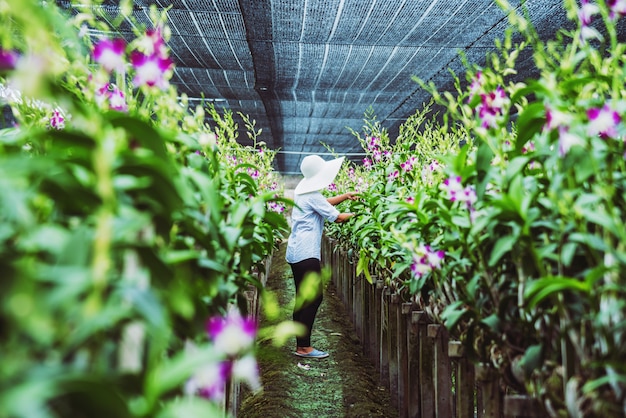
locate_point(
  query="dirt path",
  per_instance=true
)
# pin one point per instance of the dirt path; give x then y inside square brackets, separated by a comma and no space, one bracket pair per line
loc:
[343,385]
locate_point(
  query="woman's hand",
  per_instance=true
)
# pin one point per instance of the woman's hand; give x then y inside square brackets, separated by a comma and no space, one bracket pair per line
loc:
[352,196]
[335,200]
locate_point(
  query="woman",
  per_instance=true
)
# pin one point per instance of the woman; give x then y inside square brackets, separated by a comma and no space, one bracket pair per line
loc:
[305,241]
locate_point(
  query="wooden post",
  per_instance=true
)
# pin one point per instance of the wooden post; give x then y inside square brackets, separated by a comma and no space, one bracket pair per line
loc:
[378,321]
[403,359]
[360,287]
[465,381]
[347,280]
[522,406]
[491,396]
[367,320]
[414,366]
[336,269]
[358,304]
[342,274]
[392,348]
[443,373]
[350,281]
[384,338]
[427,377]
[350,289]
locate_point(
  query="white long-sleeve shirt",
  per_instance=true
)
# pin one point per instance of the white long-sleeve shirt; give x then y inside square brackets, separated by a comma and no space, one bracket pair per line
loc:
[307,225]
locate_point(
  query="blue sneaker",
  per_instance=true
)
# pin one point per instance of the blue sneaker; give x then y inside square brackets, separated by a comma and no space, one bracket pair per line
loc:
[313,354]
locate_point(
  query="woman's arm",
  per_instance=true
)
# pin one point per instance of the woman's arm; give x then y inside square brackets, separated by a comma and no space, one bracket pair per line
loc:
[335,200]
[343,217]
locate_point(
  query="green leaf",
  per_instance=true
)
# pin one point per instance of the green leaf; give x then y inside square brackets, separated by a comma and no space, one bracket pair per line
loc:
[172,373]
[530,121]
[516,192]
[190,407]
[461,221]
[140,131]
[502,246]
[212,265]
[453,313]
[483,166]
[362,266]
[532,360]
[599,216]
[92,396]
[416,283]
[30,397]
[538,290]
[515,166]
[180,256]
[592,241]
[493,322]
[567,253]
[147,303]
[615,379]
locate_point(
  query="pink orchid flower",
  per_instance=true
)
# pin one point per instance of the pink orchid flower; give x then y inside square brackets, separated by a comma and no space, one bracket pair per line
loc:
[109,53]
[150,70]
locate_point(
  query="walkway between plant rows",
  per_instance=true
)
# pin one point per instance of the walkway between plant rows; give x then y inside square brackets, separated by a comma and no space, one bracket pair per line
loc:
[344,385]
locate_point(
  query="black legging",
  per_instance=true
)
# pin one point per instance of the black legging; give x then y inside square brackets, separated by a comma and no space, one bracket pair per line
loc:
[306,314]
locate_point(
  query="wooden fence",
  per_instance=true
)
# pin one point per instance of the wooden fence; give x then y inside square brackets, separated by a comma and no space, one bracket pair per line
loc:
[425,371]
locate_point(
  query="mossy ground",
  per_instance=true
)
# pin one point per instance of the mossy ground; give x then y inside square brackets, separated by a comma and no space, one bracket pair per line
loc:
[342,385]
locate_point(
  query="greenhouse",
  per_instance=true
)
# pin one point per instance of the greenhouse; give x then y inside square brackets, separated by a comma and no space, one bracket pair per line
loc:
[307,208]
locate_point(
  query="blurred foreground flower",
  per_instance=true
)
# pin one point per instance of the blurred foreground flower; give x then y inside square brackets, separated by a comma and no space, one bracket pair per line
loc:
[8,60]
[233,338]
[232,334]
[556,118]
[153,43]
[492,107]
[150,70]
[567,140]
[585,16]
[476,85]
[246,370]
[409,164]
[425,259]
[458,193]
[56,121]
[617,8]
[586,12]
[276,207]
[109,53]
[603,122]
[210,381]
[111,97]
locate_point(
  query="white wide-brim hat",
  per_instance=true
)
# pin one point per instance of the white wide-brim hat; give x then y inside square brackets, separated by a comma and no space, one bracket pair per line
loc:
[317,173]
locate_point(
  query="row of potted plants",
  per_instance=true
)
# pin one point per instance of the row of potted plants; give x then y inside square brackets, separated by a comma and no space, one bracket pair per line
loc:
[132,224]
[502,216]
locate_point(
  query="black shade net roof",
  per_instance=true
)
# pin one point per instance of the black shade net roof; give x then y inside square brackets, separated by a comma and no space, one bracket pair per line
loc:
[307,70]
